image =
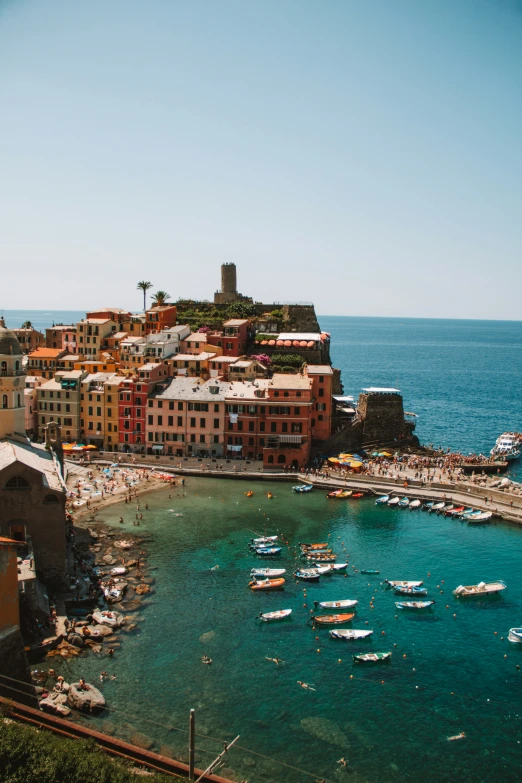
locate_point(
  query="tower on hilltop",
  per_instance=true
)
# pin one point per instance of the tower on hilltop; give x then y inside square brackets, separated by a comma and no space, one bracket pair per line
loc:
[228,291]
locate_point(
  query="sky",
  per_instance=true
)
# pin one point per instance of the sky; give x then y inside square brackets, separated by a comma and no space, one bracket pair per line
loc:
[362,154]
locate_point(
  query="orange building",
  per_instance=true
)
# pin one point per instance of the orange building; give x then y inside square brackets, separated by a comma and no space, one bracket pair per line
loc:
[160,318]
[9,605]
[322,387]
[44,361]
[29,339]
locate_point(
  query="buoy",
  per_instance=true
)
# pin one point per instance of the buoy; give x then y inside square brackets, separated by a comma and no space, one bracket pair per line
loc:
[366,622]
[442,581]
[395,645]
[414,669]
[505,656]
[396,616]
[316,638]
[382,682]
[501,638]
[404,656]
[447,606]
[495,632]
[383,633]
[429,573]
[452,693]
[351,676]
[318,650]
[518,666]
[339,661]
[416,687]
[454,615]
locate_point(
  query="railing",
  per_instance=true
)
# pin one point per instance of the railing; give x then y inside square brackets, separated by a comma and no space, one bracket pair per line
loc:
[12,373]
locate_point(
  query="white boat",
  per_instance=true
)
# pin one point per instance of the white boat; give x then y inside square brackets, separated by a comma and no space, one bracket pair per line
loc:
[394,501]
[349,635]
[507,446]
[479,519]
[112,619]
[480,590]
[336,567]
[118,571]
[414,604]
[404,583]
[404,502]
[437,506]
[345,604]
[515,635]
[264,540]
[281,614]
[267,573]
[415,504]
[382,500]
[316,571]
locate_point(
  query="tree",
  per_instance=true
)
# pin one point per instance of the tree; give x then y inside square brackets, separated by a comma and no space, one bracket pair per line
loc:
[144,286]
[160,298]
[27,325]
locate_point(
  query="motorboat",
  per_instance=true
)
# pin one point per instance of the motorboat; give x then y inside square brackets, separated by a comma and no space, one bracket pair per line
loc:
[414,604]
[313,547]
[481,590]
[454,512]
[383,500]
[340,494]
[349,635]
[373,657]
[346,604]
[269,617]
[427,505]
[480,519]
[357,495]
[404,503]
[403,583]
[394,501]
[267,573]
[515,635]
[411,591]
[267,584]
[369,571]
[268,551]
[303,488]
[415,504]
[333,619]
[437,506]
[507,446]
[334,568]
[263,540]
[307,576]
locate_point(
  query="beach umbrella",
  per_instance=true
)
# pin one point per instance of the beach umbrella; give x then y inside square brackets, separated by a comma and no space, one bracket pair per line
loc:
[90,446]
[386,454]
[375,454]
[333,459]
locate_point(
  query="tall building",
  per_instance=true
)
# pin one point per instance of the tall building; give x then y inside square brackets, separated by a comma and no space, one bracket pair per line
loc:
[12,384]
[228,292]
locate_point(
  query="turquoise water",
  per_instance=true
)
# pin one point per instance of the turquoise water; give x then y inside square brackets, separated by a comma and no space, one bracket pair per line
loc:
[389,722]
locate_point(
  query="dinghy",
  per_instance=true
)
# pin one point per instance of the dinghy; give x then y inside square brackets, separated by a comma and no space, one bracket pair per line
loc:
[404,503]
[447,507]
[267,584]
[382,500]
[453,512]
[480,590]
[340,494]
[411,591]
[357,495]
[393,502]
[321,558]
[345,604]
[268,551]
[303,488]
[403,583]
[349,635]
[467,512]
[428,505]
[437,506]
[377,657]
[268,617]
[263,540]
[515,635]
[307,576]
[267,573]
[313,547]
[333,619]
[414,604]
[415,504]
[480,519]
[369,571]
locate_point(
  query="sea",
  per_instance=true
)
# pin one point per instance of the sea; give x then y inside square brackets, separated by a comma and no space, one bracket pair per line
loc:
[453,673]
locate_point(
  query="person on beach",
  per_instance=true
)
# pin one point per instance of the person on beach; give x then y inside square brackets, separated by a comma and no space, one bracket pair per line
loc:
[121,520]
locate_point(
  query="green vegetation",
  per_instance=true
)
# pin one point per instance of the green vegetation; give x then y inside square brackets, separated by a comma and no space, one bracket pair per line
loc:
[278,315]
[260,337]
[144,286]
[26,325]
[288,359]
[160,299]
[30,756]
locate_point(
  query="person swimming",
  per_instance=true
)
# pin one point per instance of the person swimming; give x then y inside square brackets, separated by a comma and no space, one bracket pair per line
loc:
[305,685]
[206,659]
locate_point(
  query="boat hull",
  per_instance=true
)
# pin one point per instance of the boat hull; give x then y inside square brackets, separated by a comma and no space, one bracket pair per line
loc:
[350,636]
[333,619]
[515,635]
[370,658]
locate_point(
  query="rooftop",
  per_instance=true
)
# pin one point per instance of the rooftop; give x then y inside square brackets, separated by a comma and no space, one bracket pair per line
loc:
[319,369]
[42,351]
[236,322]
[229,359]
[192,357]
[34,457]
[182,388]
[299,336]
[283,381]
[196,337]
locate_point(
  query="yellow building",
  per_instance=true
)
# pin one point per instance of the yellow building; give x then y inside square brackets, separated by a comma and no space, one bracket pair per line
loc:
[59,401]
[99,410]
[92,334]
[12,383]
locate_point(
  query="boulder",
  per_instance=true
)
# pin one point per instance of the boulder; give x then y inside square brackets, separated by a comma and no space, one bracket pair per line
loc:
[142,589]
[89,700]
[75,639]
[109,559]
[142,741]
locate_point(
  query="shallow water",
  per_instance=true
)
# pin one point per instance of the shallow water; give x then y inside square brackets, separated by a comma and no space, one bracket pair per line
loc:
[389,722]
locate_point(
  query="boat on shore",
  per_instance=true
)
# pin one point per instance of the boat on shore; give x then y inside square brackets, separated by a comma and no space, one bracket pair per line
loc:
[428,505]
[267,584]
[373,657]
[349,635]
[414,604]
[437,506]
[267,573]
[411,591]
[394,501]
[515,635]
[481,590]
[404,502]
[345,604]
[333,619]
[415,504]
[269,617]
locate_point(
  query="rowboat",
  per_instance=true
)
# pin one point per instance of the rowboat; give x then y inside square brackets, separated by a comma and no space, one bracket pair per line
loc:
[266,573]
[336,567]
[480,519]
[453,512]
[415,504]
[348,635]
[339,494]
[437,506]
[377,657]
[346,604]
[447,508]
[382,500]
[414,604]
[515,635]
[268,617]
[313,547]
[428,505]
[303,488]
[404,503]
[467,511]
[267,550]
[357,495]
[480,590]
[267,584]
[393,502]
[333,619]
[403,583]
[369,571]
[307,576]
[329,558]
[263,540]
[411,591]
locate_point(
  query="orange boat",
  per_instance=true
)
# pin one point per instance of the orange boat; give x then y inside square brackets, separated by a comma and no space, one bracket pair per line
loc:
[312,547]
[267,584]
[333,619]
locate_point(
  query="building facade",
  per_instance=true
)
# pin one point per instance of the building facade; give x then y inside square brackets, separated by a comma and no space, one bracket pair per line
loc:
[12,384]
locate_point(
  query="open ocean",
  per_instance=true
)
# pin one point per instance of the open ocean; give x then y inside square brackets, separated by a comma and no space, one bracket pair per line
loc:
[452,669]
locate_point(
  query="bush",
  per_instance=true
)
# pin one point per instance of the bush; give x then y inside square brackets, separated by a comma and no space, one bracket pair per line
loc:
[290,359]
[30,756]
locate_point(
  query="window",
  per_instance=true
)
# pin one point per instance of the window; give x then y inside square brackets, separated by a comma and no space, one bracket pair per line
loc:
[298,394]
[216,407]
[150,436]
[98,411]
[192,438]
[17,482]
[151,403]
[321,406]
[286,394]
[138,426]
[216,438]
[297,426]
[17,532]
[160,403]
[281,458]
[67,408]
[251,441]
[251,409]
[273,426]
[321,379]
[201,438]
[230,346]
[202,423]
[276,394]
[126,437]
[180,406]
[170,421]
[216,424]
[171,406]
[320,417]
[261,441]
[284,427]
[109,427]
[180,421]
[193,422]
[126,425]
[297,411]
[321,392]
[138,413]
[262,426]
[270,459]
[240,425]
[4,400]
[160,420]
[90,427]
[150,419]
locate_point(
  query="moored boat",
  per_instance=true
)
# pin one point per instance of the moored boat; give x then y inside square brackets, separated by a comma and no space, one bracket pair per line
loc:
[281,614]
[303,488]
[267,550]
[480,519]
[333,619]
[377,657]
[411,591]
[357,495]
[344,604]
[427,506]
[307,577]
[481,590]
[515,635]
[334,568]
[267,584]
[403,582]
[404,503]
[349,635]
[369,571]
[507,446]
[267,573]
[382,501]
[454,512]
[321,558]
[313,547]
[414,604]
[340,494]
[394,501]
[415,504]
[437,506]
[263,540]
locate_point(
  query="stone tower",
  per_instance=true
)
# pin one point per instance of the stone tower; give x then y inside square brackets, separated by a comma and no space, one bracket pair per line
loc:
[12,384]
[228,291]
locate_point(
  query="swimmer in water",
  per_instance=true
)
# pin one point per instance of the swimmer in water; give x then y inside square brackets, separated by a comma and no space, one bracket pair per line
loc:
[277,661]
[305,685]
[457,736]
[206,659]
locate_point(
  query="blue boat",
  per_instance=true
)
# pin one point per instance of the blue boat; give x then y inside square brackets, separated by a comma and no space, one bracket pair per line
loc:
[267,550]
[426,506]
[383,500]
[306,577]
[411,591]
[303,488]
[369,571]
[404,503]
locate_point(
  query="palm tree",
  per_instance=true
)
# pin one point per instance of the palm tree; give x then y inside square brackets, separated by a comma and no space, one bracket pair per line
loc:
[27,325]
[160,298]
[144,286]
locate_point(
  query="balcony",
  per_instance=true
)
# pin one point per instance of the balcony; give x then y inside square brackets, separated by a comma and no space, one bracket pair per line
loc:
[12,373]
[284,441]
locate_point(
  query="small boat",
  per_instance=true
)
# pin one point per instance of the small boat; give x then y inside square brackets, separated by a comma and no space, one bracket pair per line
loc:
[411,591]
[307,577]
[349,635]
[333,619]
[267,573]
[323,559]
[404,503]
[515,635]
[268,551]
[249,494]
[393,501]
[467,511]
[303,488]
[346,604]
[414,604]
[437,506]
[336,567]
[377,657]
[316,552]
[268,617]
[447,508]
[428,505]
[267,584]
[340,494]
[415,504]
[480,519]
[383,500]
[453,512]
[357,495]
[369,571]
[263,540]
[480,590]
[403,583]
[313,547]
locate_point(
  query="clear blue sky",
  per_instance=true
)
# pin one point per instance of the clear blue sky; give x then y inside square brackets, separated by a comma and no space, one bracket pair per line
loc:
[364,155]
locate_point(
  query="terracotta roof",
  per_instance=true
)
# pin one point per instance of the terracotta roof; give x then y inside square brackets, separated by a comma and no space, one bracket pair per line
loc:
[42,351]
[8,541]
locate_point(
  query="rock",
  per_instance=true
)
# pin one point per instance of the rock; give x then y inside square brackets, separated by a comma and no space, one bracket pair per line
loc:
[109,559]
[90,700]
[63,710]
[75,639]
[325,730]
[166,751]
[142,589]
[96,648]
[108,727]
[207,637]
[142,741]
[131,563]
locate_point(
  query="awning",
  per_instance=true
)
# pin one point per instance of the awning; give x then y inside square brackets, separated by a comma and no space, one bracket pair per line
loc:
[234,448]
[158,446]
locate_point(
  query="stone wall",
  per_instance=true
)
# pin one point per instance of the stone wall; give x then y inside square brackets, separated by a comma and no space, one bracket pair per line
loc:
[383,418]
[15,676]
